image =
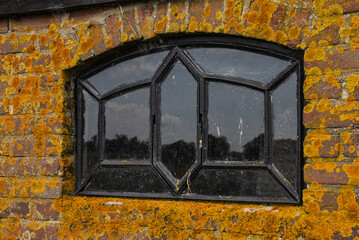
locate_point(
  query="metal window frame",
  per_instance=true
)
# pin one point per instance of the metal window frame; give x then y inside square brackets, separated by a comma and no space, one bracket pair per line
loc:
[177,45]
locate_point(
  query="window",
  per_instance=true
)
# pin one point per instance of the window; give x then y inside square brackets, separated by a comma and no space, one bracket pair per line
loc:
[197,117]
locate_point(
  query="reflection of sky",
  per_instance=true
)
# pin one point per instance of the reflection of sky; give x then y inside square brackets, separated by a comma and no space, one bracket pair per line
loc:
[90,116]
[179,106]
[284,100]
[236,113]
[238,63]
[129,115]
[127,72]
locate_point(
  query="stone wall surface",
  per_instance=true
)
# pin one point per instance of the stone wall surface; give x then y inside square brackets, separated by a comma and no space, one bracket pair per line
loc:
[37,123]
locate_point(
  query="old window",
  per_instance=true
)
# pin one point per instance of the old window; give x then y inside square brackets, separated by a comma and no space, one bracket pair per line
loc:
[198,117]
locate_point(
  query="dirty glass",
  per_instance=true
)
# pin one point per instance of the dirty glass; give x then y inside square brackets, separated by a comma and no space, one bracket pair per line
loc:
[232,182]
[127,124]
[129,71]
[285,136]
[235,123]
[128,179]
[238,63]
[178,120]
[89,133]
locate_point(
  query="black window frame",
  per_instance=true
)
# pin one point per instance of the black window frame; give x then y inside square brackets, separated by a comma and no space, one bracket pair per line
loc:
[175,44]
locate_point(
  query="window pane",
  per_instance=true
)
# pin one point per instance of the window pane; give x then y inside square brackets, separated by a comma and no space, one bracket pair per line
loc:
[127,179]
[234,182]
[238,63]
[127,72]
[235,123]
[284,99]
[128,126]
[89,133]
[178,120]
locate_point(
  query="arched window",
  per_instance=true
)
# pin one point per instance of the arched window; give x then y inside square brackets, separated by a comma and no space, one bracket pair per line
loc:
[197,117]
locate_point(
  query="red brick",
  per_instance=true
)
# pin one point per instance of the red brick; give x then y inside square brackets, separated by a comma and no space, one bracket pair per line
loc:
[113,30]
[4,187]
[43,210]
[215,6]
[45,231]
[352,146]
[330,34]
[13,46]
[97,35]
[16,208]
[12,166]
[348,6]
[129,24]
[195,13]
[347,60]
[323,89]
[277,19]
[329,201]
[4,25]
[145,15]
[300,20]
[34,21]
[317,119]
[49,187]
[322,176]
[49,167]
[16,125]
[161,19]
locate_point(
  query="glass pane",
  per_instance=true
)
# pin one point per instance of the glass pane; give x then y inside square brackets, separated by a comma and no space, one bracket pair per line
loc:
[89,133]
[284,100]
[128,126]
[127,72]
[238,63]
[178,120]
[231,182]
[235,123]
[127,179]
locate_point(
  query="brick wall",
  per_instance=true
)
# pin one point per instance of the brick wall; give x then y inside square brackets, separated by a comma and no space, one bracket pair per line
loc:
[37,122]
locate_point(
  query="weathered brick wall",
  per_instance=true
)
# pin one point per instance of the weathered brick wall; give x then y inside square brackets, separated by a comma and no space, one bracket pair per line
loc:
[37,121]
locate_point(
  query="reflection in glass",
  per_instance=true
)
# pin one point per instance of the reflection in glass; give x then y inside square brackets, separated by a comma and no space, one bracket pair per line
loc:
[235,123]
[129,71]
[127,179]
[284,100]
[89,133]
[178,120]
[234,182]
[238,63]
[127,121]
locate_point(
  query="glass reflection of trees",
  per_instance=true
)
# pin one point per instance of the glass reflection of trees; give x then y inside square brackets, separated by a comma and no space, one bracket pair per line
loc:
[122,147]
[219,149]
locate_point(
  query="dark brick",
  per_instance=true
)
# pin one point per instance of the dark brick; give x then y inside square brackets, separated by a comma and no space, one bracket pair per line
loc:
[84,15]
[13,46]
[113,30]
[97,35]
[34,21]
[18,166]
[4,25]
[49,167]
